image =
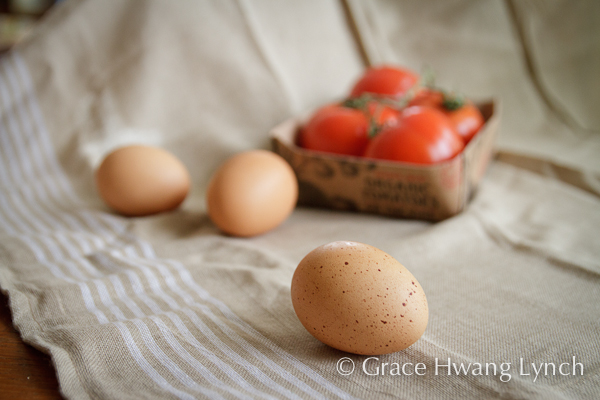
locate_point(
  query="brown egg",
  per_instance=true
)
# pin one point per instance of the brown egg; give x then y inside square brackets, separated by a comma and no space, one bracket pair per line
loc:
[142,180]
[359,299]
[252,193]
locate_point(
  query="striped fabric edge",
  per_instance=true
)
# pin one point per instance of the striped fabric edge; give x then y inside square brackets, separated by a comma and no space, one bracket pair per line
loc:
[185,342]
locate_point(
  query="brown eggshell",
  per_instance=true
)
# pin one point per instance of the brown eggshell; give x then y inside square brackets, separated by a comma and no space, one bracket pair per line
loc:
[252,193]
[359,299]
[142,180]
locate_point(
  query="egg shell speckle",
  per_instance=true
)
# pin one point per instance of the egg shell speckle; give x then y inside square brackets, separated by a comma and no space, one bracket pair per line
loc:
[359,299]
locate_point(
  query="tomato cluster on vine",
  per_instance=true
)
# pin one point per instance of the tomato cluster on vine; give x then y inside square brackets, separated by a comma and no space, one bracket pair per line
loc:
[391,115]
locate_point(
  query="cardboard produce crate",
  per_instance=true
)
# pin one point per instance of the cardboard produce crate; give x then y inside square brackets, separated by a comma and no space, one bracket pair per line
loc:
[429,192]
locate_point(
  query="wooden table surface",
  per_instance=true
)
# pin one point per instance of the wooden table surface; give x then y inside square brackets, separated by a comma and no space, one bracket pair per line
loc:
[25,372]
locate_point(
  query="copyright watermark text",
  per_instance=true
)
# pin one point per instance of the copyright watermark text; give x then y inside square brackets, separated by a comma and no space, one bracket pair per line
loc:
[373,366]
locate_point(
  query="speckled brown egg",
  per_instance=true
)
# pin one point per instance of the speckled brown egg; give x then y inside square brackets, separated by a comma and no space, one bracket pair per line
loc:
[359,299]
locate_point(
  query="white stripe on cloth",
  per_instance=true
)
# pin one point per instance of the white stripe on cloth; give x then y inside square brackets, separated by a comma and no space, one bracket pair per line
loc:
[37,206]
[167,362]
[64,232]
[206,353]
[145,365]
[154,283]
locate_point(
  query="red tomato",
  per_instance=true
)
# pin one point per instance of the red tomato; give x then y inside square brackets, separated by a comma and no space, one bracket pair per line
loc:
[467,120]
[385,80]
[343,130]
[464,116]
[423,135]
